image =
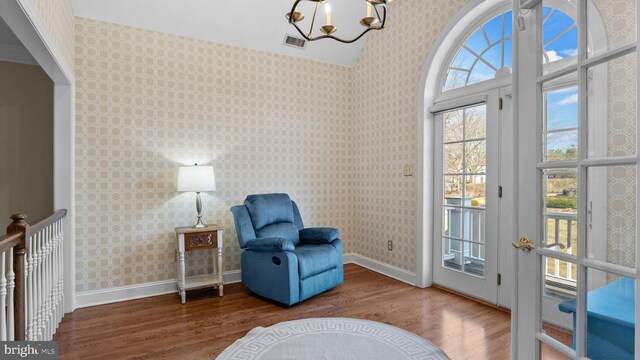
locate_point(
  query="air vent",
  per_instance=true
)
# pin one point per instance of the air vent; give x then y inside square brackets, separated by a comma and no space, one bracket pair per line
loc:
[295,42]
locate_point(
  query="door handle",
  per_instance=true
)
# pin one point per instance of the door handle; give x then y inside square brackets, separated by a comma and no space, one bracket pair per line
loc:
[524,244]
[560,245]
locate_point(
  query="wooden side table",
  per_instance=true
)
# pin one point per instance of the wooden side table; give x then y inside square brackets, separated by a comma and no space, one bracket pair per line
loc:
[194,239]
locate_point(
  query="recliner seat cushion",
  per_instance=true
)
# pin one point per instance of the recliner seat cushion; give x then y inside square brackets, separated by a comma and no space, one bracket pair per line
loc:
[315,259]
[285,230]
[269,209]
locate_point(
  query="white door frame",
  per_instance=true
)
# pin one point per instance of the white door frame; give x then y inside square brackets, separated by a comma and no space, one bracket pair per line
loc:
[24,20]
[435,63]
[484,288]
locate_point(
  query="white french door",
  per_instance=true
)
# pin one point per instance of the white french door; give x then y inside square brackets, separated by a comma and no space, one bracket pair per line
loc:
[577,170]
[466,195]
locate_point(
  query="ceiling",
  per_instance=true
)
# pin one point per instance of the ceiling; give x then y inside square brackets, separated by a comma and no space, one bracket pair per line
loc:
[11,49]
[254,24]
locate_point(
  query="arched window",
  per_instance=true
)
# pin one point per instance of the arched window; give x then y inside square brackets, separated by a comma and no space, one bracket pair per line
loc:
[487,52]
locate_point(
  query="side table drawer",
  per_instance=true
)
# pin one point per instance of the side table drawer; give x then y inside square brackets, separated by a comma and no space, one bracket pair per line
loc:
[198,241]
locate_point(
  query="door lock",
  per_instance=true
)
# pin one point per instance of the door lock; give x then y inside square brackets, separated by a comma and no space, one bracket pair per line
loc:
[524,244]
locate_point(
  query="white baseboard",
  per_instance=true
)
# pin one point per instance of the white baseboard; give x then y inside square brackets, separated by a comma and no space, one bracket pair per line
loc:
[381,268]
[124,293]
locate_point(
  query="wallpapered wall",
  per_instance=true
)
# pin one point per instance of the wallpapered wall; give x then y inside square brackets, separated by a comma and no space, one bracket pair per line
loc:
[57,15]
[619,19]
[149,102]
[388,76]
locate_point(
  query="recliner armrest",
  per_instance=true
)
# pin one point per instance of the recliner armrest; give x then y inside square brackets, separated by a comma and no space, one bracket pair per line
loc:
[270,244]
[319,235]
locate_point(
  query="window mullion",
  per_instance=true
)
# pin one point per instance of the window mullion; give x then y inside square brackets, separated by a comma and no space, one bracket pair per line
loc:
[581,305]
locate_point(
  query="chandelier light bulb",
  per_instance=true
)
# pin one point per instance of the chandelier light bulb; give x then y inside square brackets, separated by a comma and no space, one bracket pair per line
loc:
[327,10]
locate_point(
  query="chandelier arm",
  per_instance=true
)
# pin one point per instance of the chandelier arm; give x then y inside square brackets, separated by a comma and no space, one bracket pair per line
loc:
[377,13]
[342,40]
[293,9]
[313,20]
[384,20]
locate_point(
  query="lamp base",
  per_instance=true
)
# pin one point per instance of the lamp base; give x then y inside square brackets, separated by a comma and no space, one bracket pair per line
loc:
[199,224]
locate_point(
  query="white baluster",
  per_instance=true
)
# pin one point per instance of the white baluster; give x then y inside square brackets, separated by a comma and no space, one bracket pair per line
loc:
[42,282]
[54,280]
[3,298]
[47,285]
[11,285]
[30,289]
[38,287]
[61,271]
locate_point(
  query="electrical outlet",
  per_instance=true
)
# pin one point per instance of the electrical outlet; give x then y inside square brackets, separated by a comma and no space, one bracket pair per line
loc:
[390,245]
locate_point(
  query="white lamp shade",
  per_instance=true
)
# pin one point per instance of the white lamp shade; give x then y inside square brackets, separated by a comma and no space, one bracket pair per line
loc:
[196,178]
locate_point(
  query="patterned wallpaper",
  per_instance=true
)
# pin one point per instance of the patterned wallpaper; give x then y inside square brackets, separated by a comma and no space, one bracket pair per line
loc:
[388,76]
[334,138]
[149,102]
[619,19]
[57,15]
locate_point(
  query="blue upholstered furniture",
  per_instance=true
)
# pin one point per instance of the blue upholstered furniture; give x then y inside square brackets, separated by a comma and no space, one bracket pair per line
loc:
[281,260]
[610,320]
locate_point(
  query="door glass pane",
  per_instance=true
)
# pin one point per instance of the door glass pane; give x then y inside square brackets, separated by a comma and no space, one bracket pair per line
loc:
[475,189]
[474,259]
[453,158]
[475,157]
[453,126]
[452,222]
[560,191]
[612,108]
[555,322]
[475,119]
[611,23]
[452,188]
[560,124]
[452,254]
[612,214]
[549,353]
[610,315]
[464,188]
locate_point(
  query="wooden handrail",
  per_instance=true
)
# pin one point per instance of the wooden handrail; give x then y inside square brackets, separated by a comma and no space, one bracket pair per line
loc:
[9,241]
[46,221]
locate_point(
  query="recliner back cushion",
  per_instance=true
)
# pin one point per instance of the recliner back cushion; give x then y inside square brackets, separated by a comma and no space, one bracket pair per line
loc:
[285,230]
[269,209]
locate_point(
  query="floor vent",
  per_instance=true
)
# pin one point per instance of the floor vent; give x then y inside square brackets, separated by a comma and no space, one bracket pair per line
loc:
[295,42]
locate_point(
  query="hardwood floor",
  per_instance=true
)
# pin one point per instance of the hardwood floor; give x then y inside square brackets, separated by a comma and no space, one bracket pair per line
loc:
[160,327]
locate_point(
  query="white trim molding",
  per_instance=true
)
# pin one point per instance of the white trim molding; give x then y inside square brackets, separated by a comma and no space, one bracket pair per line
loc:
[139,291]
[391,271]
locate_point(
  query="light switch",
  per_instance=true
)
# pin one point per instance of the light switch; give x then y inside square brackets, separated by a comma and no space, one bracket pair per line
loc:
[408,170]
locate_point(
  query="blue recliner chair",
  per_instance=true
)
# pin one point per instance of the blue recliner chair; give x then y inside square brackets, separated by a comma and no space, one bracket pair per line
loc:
[281,260]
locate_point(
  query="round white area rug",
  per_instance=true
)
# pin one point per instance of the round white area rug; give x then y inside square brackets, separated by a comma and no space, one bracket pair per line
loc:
[331,339]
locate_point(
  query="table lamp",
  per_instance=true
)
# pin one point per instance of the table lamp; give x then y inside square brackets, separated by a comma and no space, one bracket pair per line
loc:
[197,179]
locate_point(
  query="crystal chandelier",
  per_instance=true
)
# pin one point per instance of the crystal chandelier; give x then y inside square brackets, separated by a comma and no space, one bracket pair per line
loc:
[375,20]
